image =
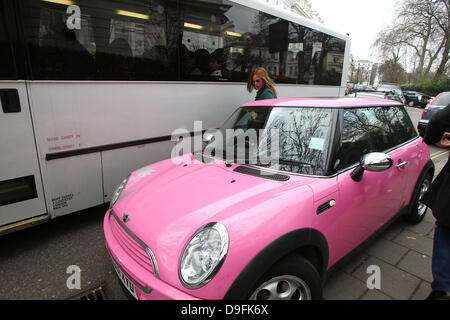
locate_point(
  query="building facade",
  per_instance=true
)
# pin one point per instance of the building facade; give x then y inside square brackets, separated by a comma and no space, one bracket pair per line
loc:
[300,7]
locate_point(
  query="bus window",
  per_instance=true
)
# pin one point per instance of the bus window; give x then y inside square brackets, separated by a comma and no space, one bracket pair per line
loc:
[226,42]
[223,43]
[57,52]
[175,40]
[7,63]
[318,57]
[120,40]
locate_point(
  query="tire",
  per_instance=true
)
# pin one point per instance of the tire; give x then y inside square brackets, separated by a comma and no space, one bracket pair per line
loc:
[418,209]
[411,103]
[294,278]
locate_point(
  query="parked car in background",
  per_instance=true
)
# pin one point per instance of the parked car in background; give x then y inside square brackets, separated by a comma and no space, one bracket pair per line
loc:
[350,88]
[414,98]
[375,94]
[208,225]
[440,102]
[393,91]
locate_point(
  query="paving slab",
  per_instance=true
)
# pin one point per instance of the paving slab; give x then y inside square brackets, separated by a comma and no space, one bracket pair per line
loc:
[395,282]
[415,242]
[418,265]
[423,228]
[422,291]
[375,295]
[392,231]
[388,251]
[356,262]
[342,286]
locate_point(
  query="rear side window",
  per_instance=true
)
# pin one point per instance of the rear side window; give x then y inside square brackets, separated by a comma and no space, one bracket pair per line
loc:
[443,99]
[368,130]
[400,125]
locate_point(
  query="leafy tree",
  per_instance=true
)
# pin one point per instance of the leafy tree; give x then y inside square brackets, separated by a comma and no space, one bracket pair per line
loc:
[392,72]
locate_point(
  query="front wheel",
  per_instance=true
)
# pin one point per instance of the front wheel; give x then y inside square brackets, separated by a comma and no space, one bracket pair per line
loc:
[294,278]
[411,103]
[418,209]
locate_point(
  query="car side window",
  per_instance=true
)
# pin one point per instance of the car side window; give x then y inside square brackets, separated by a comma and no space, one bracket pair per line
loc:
[368,130]
[364,130]
[400,125]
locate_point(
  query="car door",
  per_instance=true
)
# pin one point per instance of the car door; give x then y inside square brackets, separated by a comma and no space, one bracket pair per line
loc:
[379,194]
[405,150]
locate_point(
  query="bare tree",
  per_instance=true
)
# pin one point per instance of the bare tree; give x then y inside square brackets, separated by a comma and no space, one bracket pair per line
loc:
[421,26]
[442,18]
[389,45]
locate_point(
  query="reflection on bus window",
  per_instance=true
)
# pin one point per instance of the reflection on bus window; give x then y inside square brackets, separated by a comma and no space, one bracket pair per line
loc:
[189,40]
[7,43]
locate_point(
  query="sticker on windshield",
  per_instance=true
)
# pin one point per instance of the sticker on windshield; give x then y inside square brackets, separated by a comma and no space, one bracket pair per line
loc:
[316,143]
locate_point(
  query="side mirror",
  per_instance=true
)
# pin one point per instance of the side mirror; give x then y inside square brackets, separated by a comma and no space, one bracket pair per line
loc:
[207,137]
[207,142]
[375,161]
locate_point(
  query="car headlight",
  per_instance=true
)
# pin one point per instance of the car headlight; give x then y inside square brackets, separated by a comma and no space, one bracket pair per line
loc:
[203,255]
[116,194]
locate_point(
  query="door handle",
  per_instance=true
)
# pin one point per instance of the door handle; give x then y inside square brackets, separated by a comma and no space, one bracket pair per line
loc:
[401,165]
[10,100]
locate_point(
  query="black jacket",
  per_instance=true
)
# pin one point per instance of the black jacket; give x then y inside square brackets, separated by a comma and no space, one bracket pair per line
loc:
[438,195]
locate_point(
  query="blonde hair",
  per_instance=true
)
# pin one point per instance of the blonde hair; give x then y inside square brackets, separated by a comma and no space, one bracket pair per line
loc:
[264,75]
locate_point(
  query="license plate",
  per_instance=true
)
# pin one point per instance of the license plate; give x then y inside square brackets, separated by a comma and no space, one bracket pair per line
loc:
[127,283]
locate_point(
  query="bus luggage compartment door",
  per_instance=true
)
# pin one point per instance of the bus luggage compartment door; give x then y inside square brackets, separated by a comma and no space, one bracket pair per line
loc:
[21,191]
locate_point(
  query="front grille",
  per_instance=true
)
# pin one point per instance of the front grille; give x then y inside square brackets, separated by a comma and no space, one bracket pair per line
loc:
[132,245]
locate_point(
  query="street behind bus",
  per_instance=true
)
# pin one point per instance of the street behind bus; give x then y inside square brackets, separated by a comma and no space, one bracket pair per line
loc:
[38,263]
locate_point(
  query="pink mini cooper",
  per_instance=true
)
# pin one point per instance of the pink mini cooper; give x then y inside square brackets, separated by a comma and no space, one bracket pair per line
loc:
[280,193]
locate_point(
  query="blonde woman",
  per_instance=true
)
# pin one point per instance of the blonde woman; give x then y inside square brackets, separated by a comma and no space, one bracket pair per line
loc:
[259,79]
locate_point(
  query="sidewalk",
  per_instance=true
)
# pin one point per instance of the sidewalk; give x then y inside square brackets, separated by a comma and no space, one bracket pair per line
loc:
[403,253]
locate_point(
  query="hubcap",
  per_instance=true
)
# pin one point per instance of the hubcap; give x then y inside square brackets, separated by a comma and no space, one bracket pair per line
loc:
[282,288]
[421,208]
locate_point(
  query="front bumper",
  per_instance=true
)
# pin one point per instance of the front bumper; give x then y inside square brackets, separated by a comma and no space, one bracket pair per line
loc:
[147,285]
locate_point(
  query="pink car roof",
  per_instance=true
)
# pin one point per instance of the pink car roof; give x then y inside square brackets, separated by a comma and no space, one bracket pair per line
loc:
[323,102]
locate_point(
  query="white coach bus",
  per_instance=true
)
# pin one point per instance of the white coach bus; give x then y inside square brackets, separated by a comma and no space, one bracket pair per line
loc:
[92,89]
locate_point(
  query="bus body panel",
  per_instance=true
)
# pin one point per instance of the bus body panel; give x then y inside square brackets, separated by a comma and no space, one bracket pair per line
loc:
[76,138]
[118,163]
[73,183]
[73,116]
[21,190]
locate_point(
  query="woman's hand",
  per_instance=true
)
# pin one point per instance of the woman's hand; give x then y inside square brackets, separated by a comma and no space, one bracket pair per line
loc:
[445,141]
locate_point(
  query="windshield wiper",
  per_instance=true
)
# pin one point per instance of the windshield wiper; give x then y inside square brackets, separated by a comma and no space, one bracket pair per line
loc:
[294,162]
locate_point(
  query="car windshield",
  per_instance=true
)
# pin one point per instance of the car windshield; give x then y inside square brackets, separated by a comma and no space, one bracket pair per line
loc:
[443,99]
[288,139]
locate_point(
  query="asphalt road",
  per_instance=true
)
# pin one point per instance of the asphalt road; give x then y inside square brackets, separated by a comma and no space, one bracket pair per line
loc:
[34,263]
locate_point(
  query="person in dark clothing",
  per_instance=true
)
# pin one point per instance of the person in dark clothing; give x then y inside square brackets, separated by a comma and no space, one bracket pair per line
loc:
[438,200]
[259,79]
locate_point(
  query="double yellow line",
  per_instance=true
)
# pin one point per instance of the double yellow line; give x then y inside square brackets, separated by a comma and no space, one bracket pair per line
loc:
[438,154]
